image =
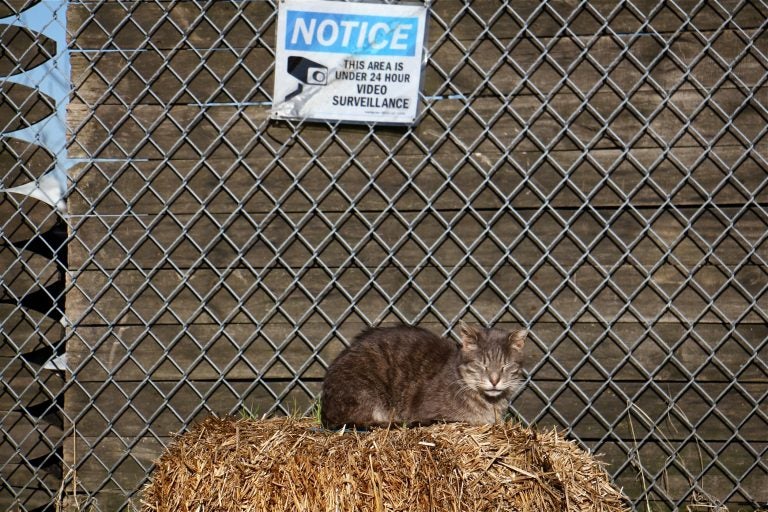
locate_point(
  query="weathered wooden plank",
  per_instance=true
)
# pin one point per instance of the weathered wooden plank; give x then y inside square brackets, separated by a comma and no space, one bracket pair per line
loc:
[613,454]
[23,49]
[527,123]
[667,476]
[154,76]
[151,75]
[129,408]
[108,498]
[278,350]
[603,178]
[18,265]
[22,332]
[25,386]
[41,301]
[25,434]
[20,476]
[198,351]
[503,67]
[546,20]
[22,106]
[130,297]
[120,488]
[9,7]
[30,458]
[25,442]
[667,352]
[376,240]
[24,217]
[604,120]
[126,408]
[21,161]
[126,25]
[151,131]
[674,411]
[25,498]
[23,274]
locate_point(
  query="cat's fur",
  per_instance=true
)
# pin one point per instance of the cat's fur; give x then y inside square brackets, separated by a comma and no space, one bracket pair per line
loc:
[409,376]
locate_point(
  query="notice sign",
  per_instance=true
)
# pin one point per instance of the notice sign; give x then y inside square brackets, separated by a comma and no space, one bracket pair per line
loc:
[359,62]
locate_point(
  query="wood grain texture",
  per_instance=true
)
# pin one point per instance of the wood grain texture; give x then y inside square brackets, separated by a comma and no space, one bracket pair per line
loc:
[26,386]
[23,49]
[31,464]
[26,331]
[125,408]
[126,473]
[21,161]
[173,25]
[28,437]
[606,121]
[31,430]
[8,7]
[30,451]
[24,218]
[491,180]
[24,273]
[389,240]
[131,297]
[481,66]
[675,455]
[133,474]
[590,411]
[625,352]
[29,498]
[22,106]
[220,260]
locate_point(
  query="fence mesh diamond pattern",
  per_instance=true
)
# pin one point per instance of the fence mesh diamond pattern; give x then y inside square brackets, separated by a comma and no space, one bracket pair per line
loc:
[594,171]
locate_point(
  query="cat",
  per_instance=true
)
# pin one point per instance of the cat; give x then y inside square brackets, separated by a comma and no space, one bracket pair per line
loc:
[407,376]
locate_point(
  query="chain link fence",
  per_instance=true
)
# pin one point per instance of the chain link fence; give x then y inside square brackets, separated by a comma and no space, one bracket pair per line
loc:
[593,171]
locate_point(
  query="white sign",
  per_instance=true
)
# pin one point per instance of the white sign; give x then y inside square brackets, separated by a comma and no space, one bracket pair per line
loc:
[344,61]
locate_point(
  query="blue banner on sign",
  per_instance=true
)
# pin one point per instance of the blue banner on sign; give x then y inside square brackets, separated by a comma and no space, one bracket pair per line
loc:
[351,33]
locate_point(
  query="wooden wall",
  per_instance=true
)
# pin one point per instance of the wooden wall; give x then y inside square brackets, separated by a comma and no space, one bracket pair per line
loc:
[602,183]
[31,285]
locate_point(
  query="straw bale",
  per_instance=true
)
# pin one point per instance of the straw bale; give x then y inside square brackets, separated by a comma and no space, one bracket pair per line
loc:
[289,464]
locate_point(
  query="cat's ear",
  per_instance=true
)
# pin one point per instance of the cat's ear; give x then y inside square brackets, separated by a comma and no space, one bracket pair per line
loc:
[517,339]
[468,336]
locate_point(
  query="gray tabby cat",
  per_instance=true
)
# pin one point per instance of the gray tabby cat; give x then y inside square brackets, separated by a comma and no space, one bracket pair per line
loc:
[409,376]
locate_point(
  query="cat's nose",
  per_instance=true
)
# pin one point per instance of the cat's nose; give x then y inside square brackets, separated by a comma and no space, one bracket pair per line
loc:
[494,378]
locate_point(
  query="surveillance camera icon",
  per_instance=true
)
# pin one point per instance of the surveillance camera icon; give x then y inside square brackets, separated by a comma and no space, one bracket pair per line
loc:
[307,72]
